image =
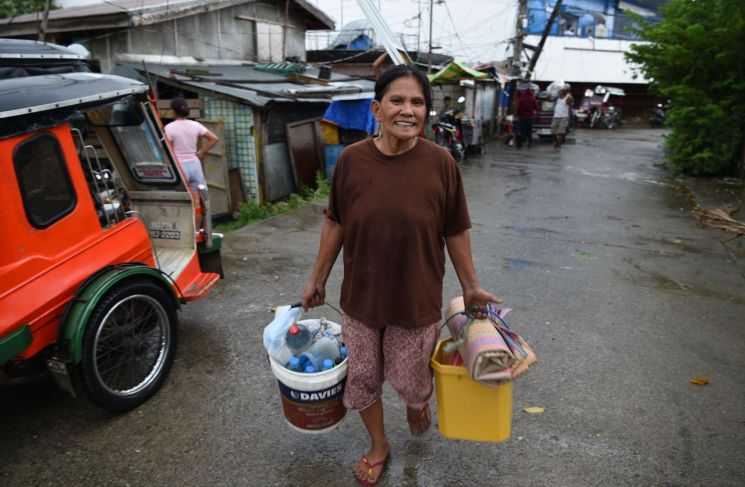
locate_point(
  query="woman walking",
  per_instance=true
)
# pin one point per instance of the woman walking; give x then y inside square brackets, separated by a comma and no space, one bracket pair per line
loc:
[396,201]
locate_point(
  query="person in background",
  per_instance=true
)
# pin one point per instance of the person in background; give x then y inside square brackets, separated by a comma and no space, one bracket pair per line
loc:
[394,234]
[562,111]
[184,135]
[447,104]
[527,105]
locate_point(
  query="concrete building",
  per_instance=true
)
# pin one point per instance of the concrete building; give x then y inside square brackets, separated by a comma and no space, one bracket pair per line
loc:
[587,43]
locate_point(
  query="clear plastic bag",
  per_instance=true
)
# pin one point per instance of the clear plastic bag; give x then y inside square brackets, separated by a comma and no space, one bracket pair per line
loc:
[274,332]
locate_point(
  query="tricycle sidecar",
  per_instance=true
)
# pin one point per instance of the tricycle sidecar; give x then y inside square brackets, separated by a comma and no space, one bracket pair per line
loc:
[100,246]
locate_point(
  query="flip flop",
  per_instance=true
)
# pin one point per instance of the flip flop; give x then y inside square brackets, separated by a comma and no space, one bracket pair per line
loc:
[370,467]
[424,413]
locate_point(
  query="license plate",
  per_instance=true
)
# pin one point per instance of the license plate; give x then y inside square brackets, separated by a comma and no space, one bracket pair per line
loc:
[166,234]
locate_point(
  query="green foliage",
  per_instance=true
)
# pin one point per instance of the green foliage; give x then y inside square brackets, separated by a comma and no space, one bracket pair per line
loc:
[252,211]
[13,8]
[696,60]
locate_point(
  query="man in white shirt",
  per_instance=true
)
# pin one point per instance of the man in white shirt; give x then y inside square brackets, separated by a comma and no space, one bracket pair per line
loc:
[562,112]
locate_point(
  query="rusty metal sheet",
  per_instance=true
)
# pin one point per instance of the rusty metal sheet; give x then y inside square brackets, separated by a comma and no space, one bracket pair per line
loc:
[305,141]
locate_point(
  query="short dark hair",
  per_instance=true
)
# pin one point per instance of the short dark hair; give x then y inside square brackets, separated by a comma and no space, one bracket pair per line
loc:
[447,98]
[180,107]
[399,71]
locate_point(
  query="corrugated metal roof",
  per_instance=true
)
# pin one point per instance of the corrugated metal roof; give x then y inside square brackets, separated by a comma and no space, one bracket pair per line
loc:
[124,7]
[257,87]
[145,10]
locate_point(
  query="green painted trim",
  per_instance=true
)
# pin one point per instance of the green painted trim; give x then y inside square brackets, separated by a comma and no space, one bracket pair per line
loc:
[15,343]
[77,318]
[216,244]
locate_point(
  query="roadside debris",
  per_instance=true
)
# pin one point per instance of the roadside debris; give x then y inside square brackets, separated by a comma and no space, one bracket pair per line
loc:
[721,218]
[534,410]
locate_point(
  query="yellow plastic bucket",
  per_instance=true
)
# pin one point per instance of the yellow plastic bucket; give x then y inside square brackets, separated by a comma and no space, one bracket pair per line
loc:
[467,410]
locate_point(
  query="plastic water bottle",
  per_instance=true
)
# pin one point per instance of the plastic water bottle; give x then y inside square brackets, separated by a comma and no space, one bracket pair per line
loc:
[294,364]
[342,355]
[309,369]
[298,338]
[323,348]
[328,364]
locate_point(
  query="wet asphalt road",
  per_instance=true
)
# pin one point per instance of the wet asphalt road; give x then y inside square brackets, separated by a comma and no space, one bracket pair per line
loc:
[622,295]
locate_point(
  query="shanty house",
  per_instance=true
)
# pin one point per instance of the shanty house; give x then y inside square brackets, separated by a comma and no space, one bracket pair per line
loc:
[167,31]
[272,112]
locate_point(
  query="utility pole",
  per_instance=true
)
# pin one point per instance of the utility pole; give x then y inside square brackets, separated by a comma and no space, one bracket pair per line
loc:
[44,21]
[419,30]
[538,49]
[517,53]
[429,53]
[284,31]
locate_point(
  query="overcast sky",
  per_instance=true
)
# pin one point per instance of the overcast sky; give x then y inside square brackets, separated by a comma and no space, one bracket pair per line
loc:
[470,30]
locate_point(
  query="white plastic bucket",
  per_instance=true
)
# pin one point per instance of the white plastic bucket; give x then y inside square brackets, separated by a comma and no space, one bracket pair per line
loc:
[312,403]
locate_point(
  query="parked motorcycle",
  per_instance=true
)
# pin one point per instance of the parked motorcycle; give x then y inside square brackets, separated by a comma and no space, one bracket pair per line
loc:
[605,117]
[601,107]
[448,132]
[659,113]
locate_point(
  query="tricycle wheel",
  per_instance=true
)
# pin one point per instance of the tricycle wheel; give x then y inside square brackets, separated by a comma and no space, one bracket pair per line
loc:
[128,346]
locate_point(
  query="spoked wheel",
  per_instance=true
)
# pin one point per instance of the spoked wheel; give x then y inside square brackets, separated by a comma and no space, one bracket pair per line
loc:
[594,119]
[128,346]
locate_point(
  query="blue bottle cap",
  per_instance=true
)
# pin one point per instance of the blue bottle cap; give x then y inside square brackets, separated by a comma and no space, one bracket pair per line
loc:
[328,364]
[309,369]
[343,351]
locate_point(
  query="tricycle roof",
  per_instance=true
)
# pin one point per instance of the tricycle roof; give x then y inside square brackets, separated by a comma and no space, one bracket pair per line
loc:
[24,96]
[23,49]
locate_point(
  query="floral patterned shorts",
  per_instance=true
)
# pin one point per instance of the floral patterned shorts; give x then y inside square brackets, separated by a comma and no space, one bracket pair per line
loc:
[399,355]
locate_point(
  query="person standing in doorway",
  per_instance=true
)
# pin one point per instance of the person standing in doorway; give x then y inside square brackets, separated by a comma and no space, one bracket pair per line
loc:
[562,111]
[527,105]
[397,202]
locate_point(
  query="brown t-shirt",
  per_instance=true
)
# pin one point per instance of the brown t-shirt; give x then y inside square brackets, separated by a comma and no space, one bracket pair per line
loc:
[396,212]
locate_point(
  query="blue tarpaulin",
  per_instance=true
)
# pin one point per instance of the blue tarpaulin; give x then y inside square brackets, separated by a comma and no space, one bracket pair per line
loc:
[351,114]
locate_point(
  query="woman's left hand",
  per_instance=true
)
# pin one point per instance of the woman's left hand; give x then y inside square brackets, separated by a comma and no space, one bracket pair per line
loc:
[479,298]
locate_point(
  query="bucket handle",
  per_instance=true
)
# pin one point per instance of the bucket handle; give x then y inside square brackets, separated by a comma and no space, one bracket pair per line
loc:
[297,305]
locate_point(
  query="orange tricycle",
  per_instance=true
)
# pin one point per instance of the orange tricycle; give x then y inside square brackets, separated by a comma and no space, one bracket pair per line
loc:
[100,243]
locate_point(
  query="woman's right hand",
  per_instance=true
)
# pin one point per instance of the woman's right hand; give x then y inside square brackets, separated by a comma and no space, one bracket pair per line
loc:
[313,295]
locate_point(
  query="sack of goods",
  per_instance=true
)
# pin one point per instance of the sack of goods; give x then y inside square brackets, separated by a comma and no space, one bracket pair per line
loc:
[492,352]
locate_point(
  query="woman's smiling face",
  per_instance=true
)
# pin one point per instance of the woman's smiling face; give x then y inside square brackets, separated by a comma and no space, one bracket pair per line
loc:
[402,110]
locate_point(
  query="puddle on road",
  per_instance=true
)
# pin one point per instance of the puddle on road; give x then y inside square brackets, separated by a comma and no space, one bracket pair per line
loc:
[514,190]
[677,243]
[517,264]
[655,280]
[522,231]
[631,177]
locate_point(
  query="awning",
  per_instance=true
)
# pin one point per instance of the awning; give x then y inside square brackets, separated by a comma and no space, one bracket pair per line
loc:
[456,71]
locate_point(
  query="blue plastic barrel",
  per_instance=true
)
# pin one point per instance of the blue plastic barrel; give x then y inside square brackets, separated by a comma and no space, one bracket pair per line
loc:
[331,154]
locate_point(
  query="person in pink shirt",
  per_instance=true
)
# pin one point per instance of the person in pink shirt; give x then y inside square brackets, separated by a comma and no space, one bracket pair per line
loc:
[184,135]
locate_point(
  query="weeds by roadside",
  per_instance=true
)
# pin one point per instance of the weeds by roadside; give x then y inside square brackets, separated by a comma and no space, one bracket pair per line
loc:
[252,211]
